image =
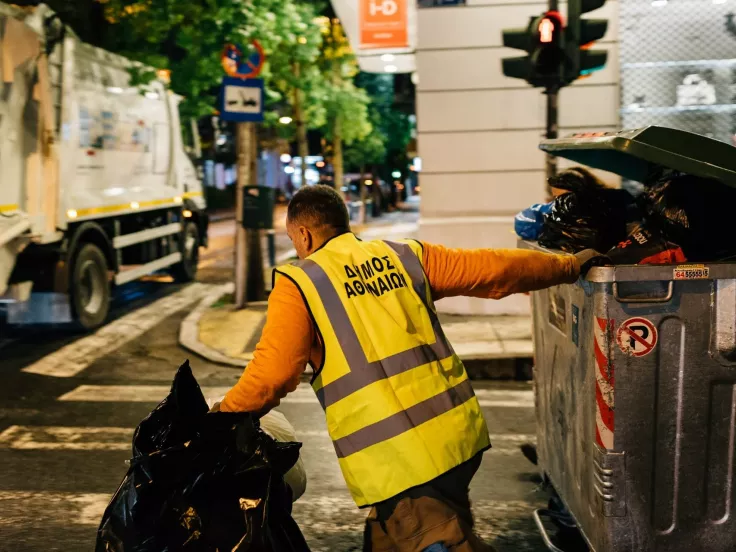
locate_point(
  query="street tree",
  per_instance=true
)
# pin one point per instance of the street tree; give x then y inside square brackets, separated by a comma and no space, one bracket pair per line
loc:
[185,38]
[293,79]
[391,122]
[346,104]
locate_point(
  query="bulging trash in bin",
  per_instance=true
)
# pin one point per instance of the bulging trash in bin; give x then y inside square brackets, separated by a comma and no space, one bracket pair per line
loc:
[684,213]
[589,215]
[202,482]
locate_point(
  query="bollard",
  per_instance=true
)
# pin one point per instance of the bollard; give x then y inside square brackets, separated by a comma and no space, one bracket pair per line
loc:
[272,247]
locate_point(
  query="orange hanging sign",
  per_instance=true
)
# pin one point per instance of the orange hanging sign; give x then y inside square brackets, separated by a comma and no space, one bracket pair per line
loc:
[383,24]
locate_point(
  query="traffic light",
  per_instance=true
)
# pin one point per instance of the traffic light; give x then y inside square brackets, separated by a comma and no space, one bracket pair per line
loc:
[544,41]
[579,37]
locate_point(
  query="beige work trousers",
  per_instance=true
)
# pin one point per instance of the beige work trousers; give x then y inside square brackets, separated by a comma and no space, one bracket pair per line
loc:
[417,523]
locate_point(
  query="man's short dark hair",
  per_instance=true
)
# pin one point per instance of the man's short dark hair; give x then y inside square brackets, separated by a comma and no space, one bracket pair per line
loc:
[320,207]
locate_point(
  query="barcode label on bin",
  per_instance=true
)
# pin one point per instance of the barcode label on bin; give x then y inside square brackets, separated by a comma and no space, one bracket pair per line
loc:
[697,272]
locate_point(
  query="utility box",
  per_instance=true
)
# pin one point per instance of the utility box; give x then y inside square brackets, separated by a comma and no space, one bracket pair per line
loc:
[258,205]
[635,376]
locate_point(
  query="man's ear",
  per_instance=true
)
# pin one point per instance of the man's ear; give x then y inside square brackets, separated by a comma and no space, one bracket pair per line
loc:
[306,235]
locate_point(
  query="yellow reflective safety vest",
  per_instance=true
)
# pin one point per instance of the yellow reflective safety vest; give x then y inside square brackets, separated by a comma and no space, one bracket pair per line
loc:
[399,405]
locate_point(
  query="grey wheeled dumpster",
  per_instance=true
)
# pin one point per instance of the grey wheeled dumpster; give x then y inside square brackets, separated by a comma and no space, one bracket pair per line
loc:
[635,377]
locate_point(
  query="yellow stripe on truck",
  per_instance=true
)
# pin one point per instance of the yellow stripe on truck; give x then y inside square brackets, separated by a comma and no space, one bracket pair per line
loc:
[8,208]
[133,206]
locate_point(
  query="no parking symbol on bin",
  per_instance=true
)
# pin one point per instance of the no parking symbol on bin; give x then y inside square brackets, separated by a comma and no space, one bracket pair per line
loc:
[637,337]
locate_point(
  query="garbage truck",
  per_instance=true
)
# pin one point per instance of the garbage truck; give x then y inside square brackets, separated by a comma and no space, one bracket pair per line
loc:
[635,376]
[96,188]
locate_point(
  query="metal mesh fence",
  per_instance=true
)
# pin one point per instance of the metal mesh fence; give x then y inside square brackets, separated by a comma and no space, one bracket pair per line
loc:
[678,65]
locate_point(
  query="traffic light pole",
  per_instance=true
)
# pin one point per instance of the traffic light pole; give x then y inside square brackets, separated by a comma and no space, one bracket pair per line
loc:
[552,94]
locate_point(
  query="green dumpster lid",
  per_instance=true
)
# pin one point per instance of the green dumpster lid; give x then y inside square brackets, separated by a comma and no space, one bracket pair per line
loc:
[639,154]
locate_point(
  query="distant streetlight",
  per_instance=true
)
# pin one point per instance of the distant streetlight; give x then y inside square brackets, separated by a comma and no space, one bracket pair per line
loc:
[396,174]
[320,164]
[285,158]
[285,120]
[369,182]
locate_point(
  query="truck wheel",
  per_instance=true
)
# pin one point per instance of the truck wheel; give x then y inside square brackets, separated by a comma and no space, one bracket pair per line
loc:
[186,270]
[90,287]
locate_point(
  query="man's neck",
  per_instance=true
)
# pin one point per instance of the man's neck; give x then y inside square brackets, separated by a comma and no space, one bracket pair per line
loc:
[322,240]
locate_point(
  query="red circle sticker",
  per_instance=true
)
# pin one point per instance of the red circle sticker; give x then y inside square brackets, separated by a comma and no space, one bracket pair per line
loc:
[637,337]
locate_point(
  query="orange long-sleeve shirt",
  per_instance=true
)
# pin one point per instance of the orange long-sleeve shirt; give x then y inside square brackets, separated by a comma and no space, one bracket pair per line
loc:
[289,340]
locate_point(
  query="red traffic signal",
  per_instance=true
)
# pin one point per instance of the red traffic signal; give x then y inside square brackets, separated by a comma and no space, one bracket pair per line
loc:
[549,27]
[546,30]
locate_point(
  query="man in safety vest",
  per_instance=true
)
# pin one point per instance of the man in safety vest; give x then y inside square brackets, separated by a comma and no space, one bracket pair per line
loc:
[407,428]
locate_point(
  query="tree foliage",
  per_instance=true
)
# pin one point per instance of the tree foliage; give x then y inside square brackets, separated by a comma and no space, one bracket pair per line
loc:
[183,37]
[304,51]
[391,126]
[291,35]
[343,100]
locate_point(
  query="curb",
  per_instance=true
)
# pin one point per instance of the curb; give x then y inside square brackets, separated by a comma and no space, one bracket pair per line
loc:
[189,330]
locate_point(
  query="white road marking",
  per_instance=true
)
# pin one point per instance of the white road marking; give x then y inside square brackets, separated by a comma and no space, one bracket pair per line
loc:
[303,395]
[120,439]
[129,393]
[66,438]
[88,508]
[71,508]
[70,360]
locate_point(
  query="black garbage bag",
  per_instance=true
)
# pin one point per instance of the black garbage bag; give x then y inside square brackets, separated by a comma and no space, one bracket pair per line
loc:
[646,246]
[696,213]
[589,216]
[202,482]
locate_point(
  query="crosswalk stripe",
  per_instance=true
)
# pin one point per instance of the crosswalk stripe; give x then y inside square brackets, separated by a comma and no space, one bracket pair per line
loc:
[66,438]
[70,360]
[77,508]
[128,393]
[19,437]
[303,395]
[88,508]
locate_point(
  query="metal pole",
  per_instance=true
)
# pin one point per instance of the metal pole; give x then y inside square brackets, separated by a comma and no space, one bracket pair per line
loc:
[552,94]
[256,290]
[271,247]
[551,126]
[245,149]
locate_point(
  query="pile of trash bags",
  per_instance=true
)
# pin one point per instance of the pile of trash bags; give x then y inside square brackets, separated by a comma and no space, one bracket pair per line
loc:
[677,218]
[202,482]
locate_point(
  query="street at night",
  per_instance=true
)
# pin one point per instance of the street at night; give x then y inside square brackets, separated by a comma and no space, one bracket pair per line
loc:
[367,275]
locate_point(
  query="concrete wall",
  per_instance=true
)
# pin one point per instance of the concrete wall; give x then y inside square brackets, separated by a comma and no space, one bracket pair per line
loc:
[478,131]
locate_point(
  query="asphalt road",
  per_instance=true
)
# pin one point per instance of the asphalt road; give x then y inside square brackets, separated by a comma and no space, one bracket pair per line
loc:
[69,404]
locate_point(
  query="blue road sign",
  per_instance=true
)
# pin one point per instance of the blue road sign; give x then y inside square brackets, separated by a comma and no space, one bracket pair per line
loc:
[241,100]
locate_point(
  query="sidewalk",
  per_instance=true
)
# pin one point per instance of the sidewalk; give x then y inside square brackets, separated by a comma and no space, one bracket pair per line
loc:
[492,347]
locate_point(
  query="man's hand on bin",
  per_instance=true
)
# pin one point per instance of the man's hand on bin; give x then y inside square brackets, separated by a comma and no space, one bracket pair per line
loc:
[588,258]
